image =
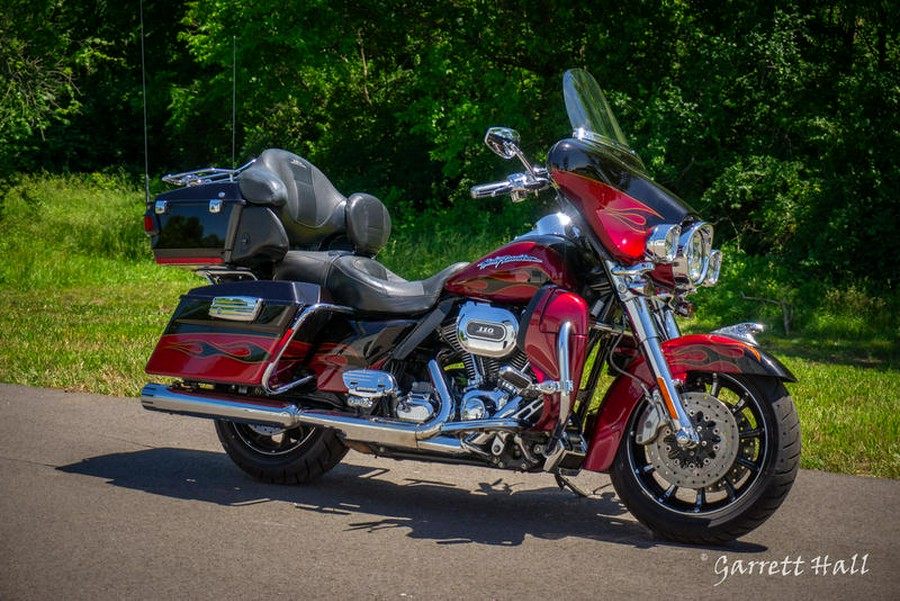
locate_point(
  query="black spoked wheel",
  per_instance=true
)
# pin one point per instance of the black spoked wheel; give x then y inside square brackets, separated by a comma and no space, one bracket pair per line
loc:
[279,455]
[730,483]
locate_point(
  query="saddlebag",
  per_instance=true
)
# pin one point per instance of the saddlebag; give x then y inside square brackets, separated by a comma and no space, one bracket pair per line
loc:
[212,224]
[230,333]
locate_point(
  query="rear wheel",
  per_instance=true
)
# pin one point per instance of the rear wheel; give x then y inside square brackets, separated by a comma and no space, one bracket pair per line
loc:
[733,481]
[273,454]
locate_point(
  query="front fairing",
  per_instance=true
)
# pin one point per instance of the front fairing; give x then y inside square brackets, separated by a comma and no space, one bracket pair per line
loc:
[614,195]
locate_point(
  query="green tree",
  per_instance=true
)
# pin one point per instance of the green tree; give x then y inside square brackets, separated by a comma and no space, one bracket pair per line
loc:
[37,83]
[778,121]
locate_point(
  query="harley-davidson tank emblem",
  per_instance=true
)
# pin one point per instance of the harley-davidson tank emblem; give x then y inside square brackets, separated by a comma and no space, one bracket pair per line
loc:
[504,259]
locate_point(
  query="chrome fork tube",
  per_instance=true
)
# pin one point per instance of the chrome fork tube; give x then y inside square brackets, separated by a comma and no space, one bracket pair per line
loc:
[647,336]
[670,324]
[665,320]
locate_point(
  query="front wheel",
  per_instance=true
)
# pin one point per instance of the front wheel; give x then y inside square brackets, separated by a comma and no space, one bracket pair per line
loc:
[729,484]
[273,454]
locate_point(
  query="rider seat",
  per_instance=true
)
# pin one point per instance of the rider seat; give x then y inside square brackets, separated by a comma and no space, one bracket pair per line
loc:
[364,283]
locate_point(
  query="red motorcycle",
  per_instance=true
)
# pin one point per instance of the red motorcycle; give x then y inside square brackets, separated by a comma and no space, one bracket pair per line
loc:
[304,345]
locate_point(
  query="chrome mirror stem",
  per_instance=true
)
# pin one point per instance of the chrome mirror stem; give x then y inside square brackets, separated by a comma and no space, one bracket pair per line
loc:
[504,142]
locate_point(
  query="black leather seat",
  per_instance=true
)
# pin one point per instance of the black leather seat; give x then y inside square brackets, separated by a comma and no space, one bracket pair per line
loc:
[364,283]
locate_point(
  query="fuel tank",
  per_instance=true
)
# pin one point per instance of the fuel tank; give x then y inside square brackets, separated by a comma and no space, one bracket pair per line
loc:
[515,272]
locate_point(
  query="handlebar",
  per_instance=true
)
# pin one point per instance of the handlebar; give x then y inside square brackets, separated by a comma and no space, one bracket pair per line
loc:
[517,185]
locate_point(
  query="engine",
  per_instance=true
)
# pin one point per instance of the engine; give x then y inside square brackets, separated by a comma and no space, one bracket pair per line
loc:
[493,389]
[496,371]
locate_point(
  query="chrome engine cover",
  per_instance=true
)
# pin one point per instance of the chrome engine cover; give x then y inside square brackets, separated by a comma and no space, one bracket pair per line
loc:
[485,330]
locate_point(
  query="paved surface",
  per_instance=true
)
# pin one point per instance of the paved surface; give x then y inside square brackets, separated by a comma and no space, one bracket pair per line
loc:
[100,499]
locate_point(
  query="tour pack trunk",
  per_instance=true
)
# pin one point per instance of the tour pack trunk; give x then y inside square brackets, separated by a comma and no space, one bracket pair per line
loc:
[212,224]
[230,333]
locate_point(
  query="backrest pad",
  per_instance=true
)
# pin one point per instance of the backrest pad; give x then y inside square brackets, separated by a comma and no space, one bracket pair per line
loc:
[314,208]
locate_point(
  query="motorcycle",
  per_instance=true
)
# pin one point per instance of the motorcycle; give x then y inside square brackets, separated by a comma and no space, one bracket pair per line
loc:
[303,345]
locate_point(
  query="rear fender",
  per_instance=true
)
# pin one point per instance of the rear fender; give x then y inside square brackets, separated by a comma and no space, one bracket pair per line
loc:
[696,353]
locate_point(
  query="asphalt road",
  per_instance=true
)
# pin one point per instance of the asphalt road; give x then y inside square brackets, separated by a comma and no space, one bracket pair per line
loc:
[100,499]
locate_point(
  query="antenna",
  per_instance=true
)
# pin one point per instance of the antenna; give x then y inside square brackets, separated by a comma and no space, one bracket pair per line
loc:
[144,90]
[233,96]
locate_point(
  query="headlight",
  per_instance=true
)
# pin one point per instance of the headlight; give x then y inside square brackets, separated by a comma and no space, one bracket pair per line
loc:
[695,248]
[662,245]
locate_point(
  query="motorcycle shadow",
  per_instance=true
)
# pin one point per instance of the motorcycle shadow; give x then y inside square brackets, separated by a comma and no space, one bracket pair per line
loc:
[502,508]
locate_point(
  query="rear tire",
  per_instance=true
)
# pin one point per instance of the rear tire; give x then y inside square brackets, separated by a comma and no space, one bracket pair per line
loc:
[270,454]
[730,485]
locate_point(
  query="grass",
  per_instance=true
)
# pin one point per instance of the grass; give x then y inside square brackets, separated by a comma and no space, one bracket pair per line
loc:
[85,339]
[82,305]
[849,417]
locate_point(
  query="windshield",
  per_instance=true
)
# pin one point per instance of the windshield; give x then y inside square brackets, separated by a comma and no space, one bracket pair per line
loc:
[589,113]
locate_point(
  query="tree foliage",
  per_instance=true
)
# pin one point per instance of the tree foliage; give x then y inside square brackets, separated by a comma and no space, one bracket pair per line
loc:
[37,63]
[778,121]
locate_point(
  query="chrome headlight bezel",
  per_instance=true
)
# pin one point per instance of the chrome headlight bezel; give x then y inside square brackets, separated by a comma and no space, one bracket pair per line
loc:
[692,262]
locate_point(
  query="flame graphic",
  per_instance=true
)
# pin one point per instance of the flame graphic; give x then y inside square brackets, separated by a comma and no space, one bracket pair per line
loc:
[239,350]
[632,215]
[724,356]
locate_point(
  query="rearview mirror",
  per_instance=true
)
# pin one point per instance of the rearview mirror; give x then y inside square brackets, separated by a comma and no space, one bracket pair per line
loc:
[503,141]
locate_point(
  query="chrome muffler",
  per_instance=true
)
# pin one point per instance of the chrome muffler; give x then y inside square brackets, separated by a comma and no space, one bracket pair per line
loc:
[370,430]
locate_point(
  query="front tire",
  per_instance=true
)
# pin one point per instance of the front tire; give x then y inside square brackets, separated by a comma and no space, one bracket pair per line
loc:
[733,482]
[280,456]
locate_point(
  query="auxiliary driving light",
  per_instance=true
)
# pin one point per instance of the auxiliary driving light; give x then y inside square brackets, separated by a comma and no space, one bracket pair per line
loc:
[715,267]
[662,245]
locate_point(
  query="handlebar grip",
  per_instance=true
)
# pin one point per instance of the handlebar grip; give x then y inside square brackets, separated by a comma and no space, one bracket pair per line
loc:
[492,189]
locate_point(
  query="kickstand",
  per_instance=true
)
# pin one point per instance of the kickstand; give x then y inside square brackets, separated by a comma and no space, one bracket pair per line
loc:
[565,483]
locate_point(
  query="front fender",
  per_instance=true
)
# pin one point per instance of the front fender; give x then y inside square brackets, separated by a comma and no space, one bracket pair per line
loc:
[695,353]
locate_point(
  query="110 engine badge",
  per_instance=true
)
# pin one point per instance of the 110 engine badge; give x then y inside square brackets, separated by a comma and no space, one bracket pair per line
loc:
[486,330]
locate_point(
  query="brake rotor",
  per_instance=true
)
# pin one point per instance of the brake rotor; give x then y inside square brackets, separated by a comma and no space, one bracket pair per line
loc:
[707,463]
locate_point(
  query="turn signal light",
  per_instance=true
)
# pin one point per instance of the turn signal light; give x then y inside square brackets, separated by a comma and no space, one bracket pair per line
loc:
[150,225]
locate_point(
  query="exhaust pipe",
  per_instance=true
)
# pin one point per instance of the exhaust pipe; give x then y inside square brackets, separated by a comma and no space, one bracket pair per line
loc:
[158,397]
[372,430]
